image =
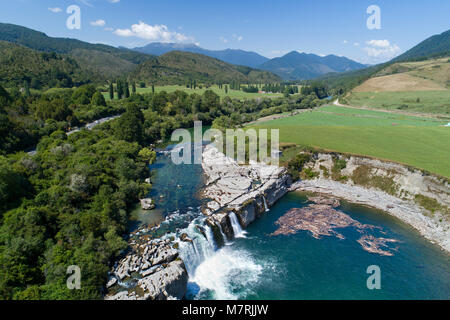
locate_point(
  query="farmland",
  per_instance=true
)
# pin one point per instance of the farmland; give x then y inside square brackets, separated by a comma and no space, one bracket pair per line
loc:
[414,141]
[420,87]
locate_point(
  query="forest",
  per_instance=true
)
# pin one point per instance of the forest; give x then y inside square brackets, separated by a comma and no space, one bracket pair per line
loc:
[70,202]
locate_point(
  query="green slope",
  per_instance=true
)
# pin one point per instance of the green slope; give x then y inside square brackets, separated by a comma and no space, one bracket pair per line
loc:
[178,67]
[19,64]
[437,45]
[106,61]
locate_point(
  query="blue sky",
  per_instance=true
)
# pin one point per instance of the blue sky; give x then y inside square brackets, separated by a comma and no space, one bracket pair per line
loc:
[269,27]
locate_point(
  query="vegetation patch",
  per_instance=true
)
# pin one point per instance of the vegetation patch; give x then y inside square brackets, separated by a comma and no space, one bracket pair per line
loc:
[432,205]
[363,176]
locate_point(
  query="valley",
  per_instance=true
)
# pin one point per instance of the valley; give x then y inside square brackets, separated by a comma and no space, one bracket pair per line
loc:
[89,142]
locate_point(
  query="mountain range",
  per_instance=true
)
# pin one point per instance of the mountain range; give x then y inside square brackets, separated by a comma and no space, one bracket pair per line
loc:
[32,56]
[233,56]
[76,61]
[293,66]
[300,66]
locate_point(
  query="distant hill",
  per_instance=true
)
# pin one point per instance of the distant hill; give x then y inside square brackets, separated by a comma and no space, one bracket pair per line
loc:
[435,46]
[178,67]
[19,64]
[237,57]
[99,58]
[303,66]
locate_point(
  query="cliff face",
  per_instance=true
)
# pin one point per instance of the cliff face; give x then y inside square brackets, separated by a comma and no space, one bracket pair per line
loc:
[246,191]
[417,198]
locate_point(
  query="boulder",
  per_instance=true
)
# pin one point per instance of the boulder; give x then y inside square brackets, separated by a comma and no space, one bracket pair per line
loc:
[148,204]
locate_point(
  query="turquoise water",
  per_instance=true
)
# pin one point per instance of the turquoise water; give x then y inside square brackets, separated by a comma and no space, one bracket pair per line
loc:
[298,266]
[302,267]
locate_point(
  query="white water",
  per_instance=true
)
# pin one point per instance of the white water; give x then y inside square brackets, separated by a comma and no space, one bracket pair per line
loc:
[193,254]
[227,274]
[265,204]
[238,232]
[225,239]
[223,274]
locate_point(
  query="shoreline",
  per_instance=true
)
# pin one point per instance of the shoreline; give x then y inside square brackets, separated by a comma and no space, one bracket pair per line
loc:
[406,211]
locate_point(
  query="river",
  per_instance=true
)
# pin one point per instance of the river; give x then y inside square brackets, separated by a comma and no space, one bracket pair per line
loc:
[257,265]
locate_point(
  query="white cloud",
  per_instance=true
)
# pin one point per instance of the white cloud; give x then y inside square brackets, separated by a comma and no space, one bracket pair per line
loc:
[381,49]
[153,33]
[109,29]
[55,10]
[379,43]
[356,44]
[86,2]
[224,40]
[114,1]
[98,23]
[238,38]
[345,41]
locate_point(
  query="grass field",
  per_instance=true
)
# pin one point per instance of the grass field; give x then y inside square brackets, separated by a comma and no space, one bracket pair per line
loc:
[437,102]
[414,141]
[234,94]
[420,87]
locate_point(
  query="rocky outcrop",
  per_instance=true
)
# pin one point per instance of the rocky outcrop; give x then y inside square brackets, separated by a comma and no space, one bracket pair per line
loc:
[417,198]
[151,271]
[147,204]
[248,190]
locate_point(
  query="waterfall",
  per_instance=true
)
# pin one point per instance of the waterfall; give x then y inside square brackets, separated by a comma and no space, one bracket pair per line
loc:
[224,274]
[225,239]
[202,246]
[265,204]
[238,232]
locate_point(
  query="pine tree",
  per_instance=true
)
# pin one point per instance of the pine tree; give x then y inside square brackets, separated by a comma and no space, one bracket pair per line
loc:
[119,89]
[127,90]
[26,87]
[153,88]
[111,91]
[133,87]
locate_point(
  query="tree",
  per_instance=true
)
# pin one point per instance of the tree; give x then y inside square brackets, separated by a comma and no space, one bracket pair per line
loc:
[133,87]
[26,88]
[119,89]
[153,88]
[4,97]
[147,155]
[130,124]
[98,99]
[111,91]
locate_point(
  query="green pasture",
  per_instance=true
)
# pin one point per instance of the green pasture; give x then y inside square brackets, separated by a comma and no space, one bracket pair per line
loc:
[415,141]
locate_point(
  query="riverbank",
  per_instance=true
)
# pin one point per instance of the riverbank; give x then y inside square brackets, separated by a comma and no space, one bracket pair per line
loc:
[237,196]
[407,211]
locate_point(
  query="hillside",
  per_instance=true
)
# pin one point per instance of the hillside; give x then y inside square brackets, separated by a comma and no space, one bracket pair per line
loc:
[19,64]
[303,66]
[178,67]
[238,57]
[437,45]
[420,86]
[102,59]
